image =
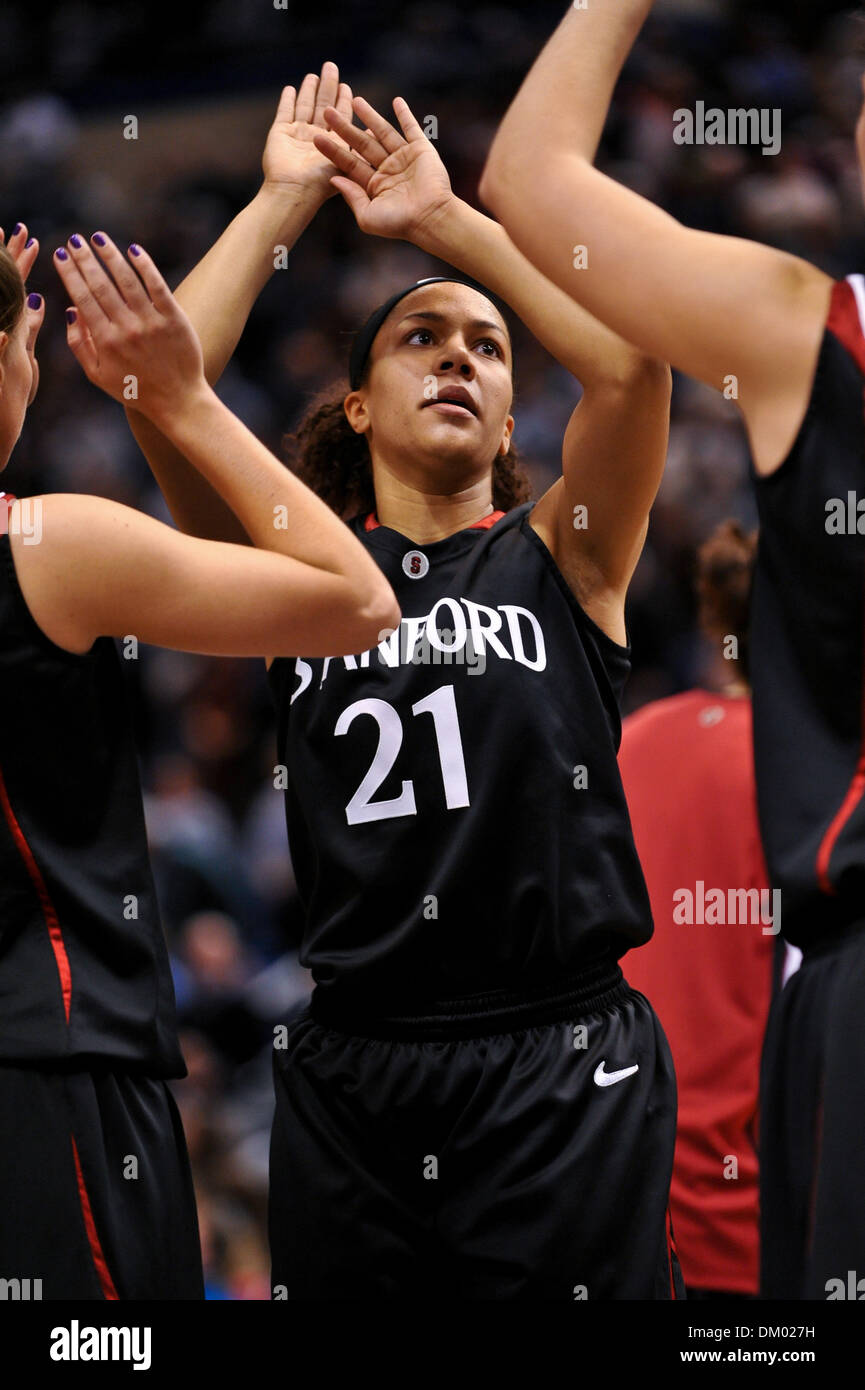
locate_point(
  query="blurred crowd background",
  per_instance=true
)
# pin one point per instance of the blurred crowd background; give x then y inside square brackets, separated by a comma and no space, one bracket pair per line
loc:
[203,91]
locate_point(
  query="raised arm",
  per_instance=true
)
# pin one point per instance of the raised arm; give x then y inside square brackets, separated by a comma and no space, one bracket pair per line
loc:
[615,445]
[397,186]
[737,315]
[103,569]
[219,293]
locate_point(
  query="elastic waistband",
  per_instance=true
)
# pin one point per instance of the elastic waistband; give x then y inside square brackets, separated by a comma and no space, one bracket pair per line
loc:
[598,986]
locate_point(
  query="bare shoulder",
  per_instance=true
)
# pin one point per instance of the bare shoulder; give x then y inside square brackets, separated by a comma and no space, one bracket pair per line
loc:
[603,605]
[53,538]
[795,320]
[62,518]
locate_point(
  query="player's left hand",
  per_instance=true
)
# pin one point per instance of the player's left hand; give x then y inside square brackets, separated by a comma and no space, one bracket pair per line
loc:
[22,248]
[291,160]
[395,185]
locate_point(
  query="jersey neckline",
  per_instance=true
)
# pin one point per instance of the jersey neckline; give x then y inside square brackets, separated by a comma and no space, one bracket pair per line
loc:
[372,523]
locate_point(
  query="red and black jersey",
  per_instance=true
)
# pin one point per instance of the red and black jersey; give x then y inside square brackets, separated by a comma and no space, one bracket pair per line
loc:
[84,973]
[455,812]
[808,643]
[688,772]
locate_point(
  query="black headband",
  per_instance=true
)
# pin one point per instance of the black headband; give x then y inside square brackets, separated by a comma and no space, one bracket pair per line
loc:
[364,340]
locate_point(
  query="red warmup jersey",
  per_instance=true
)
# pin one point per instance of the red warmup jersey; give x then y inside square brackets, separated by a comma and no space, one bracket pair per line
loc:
[687,767]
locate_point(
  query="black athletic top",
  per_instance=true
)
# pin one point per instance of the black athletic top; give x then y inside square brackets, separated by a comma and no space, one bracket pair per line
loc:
[807,643]
[84,974]
[457,823]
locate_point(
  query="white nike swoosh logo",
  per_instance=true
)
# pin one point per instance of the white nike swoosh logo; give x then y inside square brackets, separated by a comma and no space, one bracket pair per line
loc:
[609,1078]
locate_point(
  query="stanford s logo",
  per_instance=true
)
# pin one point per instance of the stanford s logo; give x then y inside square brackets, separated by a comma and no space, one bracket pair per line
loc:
[415,564]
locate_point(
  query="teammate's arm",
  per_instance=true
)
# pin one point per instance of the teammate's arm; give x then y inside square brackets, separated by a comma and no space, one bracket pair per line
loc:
[616,441]
[103,569]
[219,293]
[722,309]
[594,518]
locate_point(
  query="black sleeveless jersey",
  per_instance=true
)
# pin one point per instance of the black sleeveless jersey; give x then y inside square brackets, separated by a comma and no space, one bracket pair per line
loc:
[455,813]
[84,974]
[807,620]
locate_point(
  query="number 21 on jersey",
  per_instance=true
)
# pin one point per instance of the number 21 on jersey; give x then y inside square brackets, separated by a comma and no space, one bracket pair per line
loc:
[441,704]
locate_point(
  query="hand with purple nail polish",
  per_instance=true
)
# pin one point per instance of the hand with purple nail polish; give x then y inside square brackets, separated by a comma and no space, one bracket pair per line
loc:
[127,326]
[22,248]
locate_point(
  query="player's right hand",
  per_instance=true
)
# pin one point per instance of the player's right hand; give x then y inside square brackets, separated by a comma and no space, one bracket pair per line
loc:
[126,329]
[395,184]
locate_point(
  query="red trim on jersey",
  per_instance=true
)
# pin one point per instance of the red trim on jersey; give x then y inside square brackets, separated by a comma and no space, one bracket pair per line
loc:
[483,525]
[6,500]
[485,522]
[51,922]
[844,321]
[53,925]
[672,1253]
[840,819]
[105,1281]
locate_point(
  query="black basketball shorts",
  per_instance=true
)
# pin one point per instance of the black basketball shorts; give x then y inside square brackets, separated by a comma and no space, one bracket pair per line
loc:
[499,1147]
[96,1198]
[812,1127]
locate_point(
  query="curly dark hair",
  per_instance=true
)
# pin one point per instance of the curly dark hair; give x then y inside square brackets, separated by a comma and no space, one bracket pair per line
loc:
[725,573]
[335,463]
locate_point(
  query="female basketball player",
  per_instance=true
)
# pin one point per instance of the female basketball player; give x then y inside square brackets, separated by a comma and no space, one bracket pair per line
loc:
[95,1194]
[476,1104]
[784,341]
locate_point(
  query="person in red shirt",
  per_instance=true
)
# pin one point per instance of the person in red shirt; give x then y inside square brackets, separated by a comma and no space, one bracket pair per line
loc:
[687,767]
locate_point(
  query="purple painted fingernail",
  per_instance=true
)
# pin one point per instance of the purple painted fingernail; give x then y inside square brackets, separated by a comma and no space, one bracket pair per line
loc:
[28,244]
[16,229]
[134,250]
[34,301]
[61,253]
[75,241]
[98,238]
[71,315]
